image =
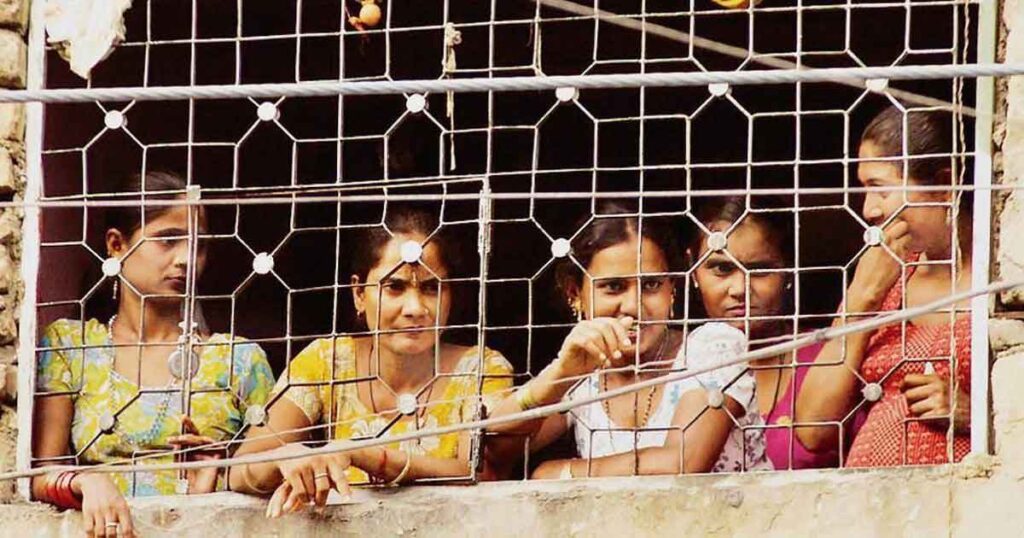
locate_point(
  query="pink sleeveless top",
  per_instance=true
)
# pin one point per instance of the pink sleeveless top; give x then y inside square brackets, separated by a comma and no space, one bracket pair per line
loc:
[783,448]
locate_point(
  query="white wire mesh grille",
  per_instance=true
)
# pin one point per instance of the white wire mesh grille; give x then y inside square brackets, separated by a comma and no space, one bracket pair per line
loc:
[279,274]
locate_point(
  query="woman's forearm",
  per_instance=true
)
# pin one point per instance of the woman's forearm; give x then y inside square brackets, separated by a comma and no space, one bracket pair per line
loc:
[829,390]
[385,464]
[646,461]
[508,442]
[389,464]
[254,478]
[39,488]
[549,387]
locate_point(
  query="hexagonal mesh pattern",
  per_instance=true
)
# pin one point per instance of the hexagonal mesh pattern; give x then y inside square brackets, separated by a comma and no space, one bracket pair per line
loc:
[756,183]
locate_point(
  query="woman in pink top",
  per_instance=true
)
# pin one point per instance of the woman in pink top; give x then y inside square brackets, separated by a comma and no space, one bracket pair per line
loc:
[759,249]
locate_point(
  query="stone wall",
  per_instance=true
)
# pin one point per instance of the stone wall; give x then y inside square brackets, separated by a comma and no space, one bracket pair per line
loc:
[1010,145]
[13,73]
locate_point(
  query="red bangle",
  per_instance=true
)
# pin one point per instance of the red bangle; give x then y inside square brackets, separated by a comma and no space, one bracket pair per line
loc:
[64,496]
[60,497]
[51,487]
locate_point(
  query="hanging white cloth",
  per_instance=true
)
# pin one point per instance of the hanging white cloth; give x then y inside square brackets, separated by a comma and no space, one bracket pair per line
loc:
[85,31]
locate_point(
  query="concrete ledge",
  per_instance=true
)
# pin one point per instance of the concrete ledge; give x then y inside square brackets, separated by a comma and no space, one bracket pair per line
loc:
[948,500]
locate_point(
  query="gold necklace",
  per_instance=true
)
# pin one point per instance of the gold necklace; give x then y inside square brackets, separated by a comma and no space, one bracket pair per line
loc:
[650,394]
[647,408]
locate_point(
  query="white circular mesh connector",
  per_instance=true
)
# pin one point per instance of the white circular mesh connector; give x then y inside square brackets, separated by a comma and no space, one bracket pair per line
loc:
[407,404]
[107,423]
[267,111]
[717,241]
[263,263]
[873,236]
[111,267]
[560,247]
[416,103]
[567,93]
[872,392]
[114,119]
[255,415]
[719,89]
[715,399]
[411,252]
[877,85]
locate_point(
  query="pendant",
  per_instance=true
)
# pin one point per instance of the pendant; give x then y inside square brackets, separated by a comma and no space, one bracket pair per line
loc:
[175,363]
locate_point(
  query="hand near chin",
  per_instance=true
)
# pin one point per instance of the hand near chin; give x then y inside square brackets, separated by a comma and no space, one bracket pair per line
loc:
[879,268]
[596,343]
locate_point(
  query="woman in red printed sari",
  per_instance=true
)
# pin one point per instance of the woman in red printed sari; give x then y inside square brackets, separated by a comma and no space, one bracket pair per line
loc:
[914,376]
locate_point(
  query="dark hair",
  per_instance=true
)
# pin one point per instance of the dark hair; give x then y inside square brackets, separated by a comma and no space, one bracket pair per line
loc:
[128,218]
[607,230]
[928,133]
[777,226]
[369,244]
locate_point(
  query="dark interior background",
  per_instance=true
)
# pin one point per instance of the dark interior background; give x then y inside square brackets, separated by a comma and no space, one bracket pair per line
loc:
[416,147]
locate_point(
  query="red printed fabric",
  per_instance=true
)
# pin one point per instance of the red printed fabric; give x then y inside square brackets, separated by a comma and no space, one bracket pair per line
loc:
[890,436]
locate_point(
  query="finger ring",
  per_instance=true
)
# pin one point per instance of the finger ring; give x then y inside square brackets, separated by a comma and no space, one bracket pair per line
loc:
[321,475]
[113,524]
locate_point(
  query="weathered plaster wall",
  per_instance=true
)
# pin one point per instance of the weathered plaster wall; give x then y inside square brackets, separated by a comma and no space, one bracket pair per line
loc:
[1010,143]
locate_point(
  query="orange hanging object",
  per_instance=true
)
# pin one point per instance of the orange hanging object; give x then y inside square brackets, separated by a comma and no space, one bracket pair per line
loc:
[369,15]
[737,4]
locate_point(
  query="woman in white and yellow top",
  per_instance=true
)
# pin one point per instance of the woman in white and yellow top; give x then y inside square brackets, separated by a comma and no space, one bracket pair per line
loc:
[624,301]
[398,379]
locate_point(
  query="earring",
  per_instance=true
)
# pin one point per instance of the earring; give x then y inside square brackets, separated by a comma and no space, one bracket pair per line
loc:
[576,313]
[116,285]
[696,285]
[789,285]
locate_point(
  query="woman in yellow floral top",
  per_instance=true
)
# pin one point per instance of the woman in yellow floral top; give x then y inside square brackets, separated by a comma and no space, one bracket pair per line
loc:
[89,406]
[395,381]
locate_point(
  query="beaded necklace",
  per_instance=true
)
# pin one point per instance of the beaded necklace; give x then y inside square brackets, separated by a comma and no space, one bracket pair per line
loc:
[642,423]
[174,365]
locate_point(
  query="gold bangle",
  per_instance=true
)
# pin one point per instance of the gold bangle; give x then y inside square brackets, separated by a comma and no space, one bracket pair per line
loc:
[247,478]
[524,398]
[405,470]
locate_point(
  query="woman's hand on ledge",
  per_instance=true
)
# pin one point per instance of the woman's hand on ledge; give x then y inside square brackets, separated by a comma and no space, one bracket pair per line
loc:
[308,480]
[104,510]
[199,480]
[553,470]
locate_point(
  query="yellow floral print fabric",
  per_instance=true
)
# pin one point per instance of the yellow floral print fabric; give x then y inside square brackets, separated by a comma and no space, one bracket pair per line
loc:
[352,419]
[78,359]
